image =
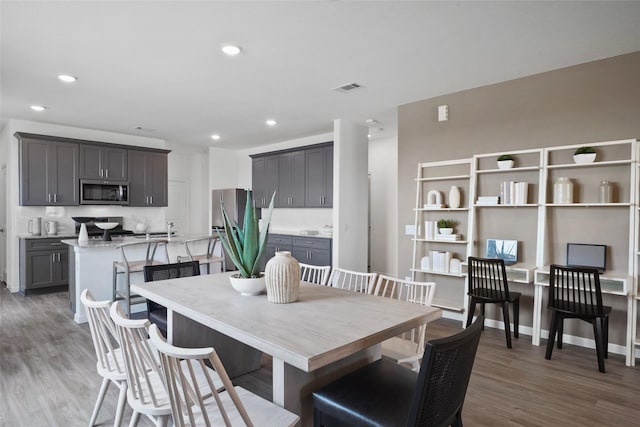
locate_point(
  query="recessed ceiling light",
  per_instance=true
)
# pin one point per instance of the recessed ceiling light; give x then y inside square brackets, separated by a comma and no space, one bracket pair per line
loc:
[215,137]
[67,78]
[231,50]
[271,122]
[38,108]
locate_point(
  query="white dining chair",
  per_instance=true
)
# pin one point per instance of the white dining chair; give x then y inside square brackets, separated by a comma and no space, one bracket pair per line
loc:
[194,402]
[352,280]
[110,364]
[408,347]
[315,273]
[146,391]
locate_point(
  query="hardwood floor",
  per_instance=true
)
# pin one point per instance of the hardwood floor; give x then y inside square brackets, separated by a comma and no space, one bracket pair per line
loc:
[48,377]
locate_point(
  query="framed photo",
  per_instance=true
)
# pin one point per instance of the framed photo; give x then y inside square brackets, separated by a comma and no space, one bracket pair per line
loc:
[503,249]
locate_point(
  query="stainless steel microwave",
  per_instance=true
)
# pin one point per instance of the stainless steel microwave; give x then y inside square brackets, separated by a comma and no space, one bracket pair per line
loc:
[98,192]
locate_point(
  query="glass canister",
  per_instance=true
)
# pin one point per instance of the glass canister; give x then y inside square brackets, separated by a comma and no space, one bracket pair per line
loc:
[605,195]
[563,190]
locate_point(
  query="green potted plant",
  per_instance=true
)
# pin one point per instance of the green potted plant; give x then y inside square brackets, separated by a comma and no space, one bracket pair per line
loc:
[505,161]
[246,246]
[584,155]
[445,226]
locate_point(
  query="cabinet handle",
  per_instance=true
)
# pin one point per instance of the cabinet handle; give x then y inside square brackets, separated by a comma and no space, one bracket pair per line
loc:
[55,198]
[151,200]
[106,173]
[146,199]
[101,173]
[53,257]
[58,256]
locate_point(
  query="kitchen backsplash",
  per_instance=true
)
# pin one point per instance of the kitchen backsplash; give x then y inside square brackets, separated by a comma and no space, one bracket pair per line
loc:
[154,218]
[294,220]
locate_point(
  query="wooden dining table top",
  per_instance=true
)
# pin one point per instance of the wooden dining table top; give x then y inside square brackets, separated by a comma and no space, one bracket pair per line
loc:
[325,324]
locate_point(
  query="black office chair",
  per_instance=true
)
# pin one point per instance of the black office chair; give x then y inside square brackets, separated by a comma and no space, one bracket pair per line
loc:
[488,284]
[575,293]
[387,394]
[155,312]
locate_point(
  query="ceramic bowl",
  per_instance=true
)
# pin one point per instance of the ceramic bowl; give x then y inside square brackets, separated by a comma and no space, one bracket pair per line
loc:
[106,225]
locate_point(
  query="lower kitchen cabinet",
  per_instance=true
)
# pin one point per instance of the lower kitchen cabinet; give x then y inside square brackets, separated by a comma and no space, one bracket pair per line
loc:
[44,263]
[307,250]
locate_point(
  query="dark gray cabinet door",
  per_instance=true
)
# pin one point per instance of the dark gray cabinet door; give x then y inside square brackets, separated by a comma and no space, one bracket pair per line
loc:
[148,176]
[101,162]
[40,270]
[157,179]
[291,179]
[264,180]
[48,173]
[320,257]
[43,263]
[319,179]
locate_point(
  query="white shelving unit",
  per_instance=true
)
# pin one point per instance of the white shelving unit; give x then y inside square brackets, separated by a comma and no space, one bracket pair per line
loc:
[440,176]
[541,227]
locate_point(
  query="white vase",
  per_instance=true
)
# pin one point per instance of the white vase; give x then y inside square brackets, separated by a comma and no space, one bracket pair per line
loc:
[247,285]
[563,190]
[282,277]
[454,197]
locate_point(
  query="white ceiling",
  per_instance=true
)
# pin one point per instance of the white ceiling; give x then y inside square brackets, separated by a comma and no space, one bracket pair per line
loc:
[158,64]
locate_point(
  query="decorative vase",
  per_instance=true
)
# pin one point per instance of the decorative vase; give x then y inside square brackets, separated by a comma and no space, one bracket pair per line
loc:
[606,194]
[83,236]
[563,190]
[282,277]
[454,197]
[247,285]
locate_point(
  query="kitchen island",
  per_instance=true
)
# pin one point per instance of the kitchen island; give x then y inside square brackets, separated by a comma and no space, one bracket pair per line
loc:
[91,267]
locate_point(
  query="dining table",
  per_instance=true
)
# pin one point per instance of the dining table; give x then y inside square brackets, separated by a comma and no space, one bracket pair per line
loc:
[325,334]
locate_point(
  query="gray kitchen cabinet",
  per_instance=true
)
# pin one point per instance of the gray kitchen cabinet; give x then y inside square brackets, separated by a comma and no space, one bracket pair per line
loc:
[291,179]
[147,178]
[48,172]
[44,263]
[276,243]
[319,178]
[301,178]
[99,161]
[264,172]
[312,250]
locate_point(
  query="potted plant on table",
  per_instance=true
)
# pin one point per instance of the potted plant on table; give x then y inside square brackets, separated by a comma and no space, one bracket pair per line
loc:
[445,226]
[505,161]
[246,246]
[584,155]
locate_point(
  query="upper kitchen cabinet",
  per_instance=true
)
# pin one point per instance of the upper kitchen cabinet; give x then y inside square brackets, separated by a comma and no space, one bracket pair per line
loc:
[319,182]
[302,177]
[291,178]
[148,178]
[48,171]
[264,172]
[103,162]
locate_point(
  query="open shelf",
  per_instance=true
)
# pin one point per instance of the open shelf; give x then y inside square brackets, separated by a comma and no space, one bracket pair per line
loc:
[517,273]
[613,285]
[438,273]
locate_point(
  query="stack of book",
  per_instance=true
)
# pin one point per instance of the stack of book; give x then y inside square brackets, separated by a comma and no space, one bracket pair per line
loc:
[488,200]
[514,193]
[430,230]
[448,237]
[440,261]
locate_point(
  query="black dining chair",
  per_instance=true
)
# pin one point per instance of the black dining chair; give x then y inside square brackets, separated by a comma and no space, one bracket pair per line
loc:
[575,293]
[384,393]
[155,312]
[487,284]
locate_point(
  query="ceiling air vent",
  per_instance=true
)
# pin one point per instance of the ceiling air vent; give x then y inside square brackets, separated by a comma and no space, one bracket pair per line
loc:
[349,87]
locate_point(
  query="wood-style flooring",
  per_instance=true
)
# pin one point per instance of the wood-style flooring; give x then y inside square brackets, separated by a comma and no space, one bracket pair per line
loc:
[48,377]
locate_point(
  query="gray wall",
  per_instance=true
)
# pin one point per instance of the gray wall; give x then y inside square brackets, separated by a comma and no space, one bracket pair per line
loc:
[597,101]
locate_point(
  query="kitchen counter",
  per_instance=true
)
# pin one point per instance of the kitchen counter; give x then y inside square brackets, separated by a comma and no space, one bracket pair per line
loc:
[290,232]
[48,236]
[91,266]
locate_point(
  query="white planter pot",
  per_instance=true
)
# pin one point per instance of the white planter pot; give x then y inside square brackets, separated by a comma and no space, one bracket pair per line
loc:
[247,286]
[505,164]
[445,230]
[584,158]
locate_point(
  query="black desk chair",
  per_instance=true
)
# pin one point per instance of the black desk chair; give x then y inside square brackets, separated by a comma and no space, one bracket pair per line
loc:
[488,284]
[387,394]
[575,293]
[155,312]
